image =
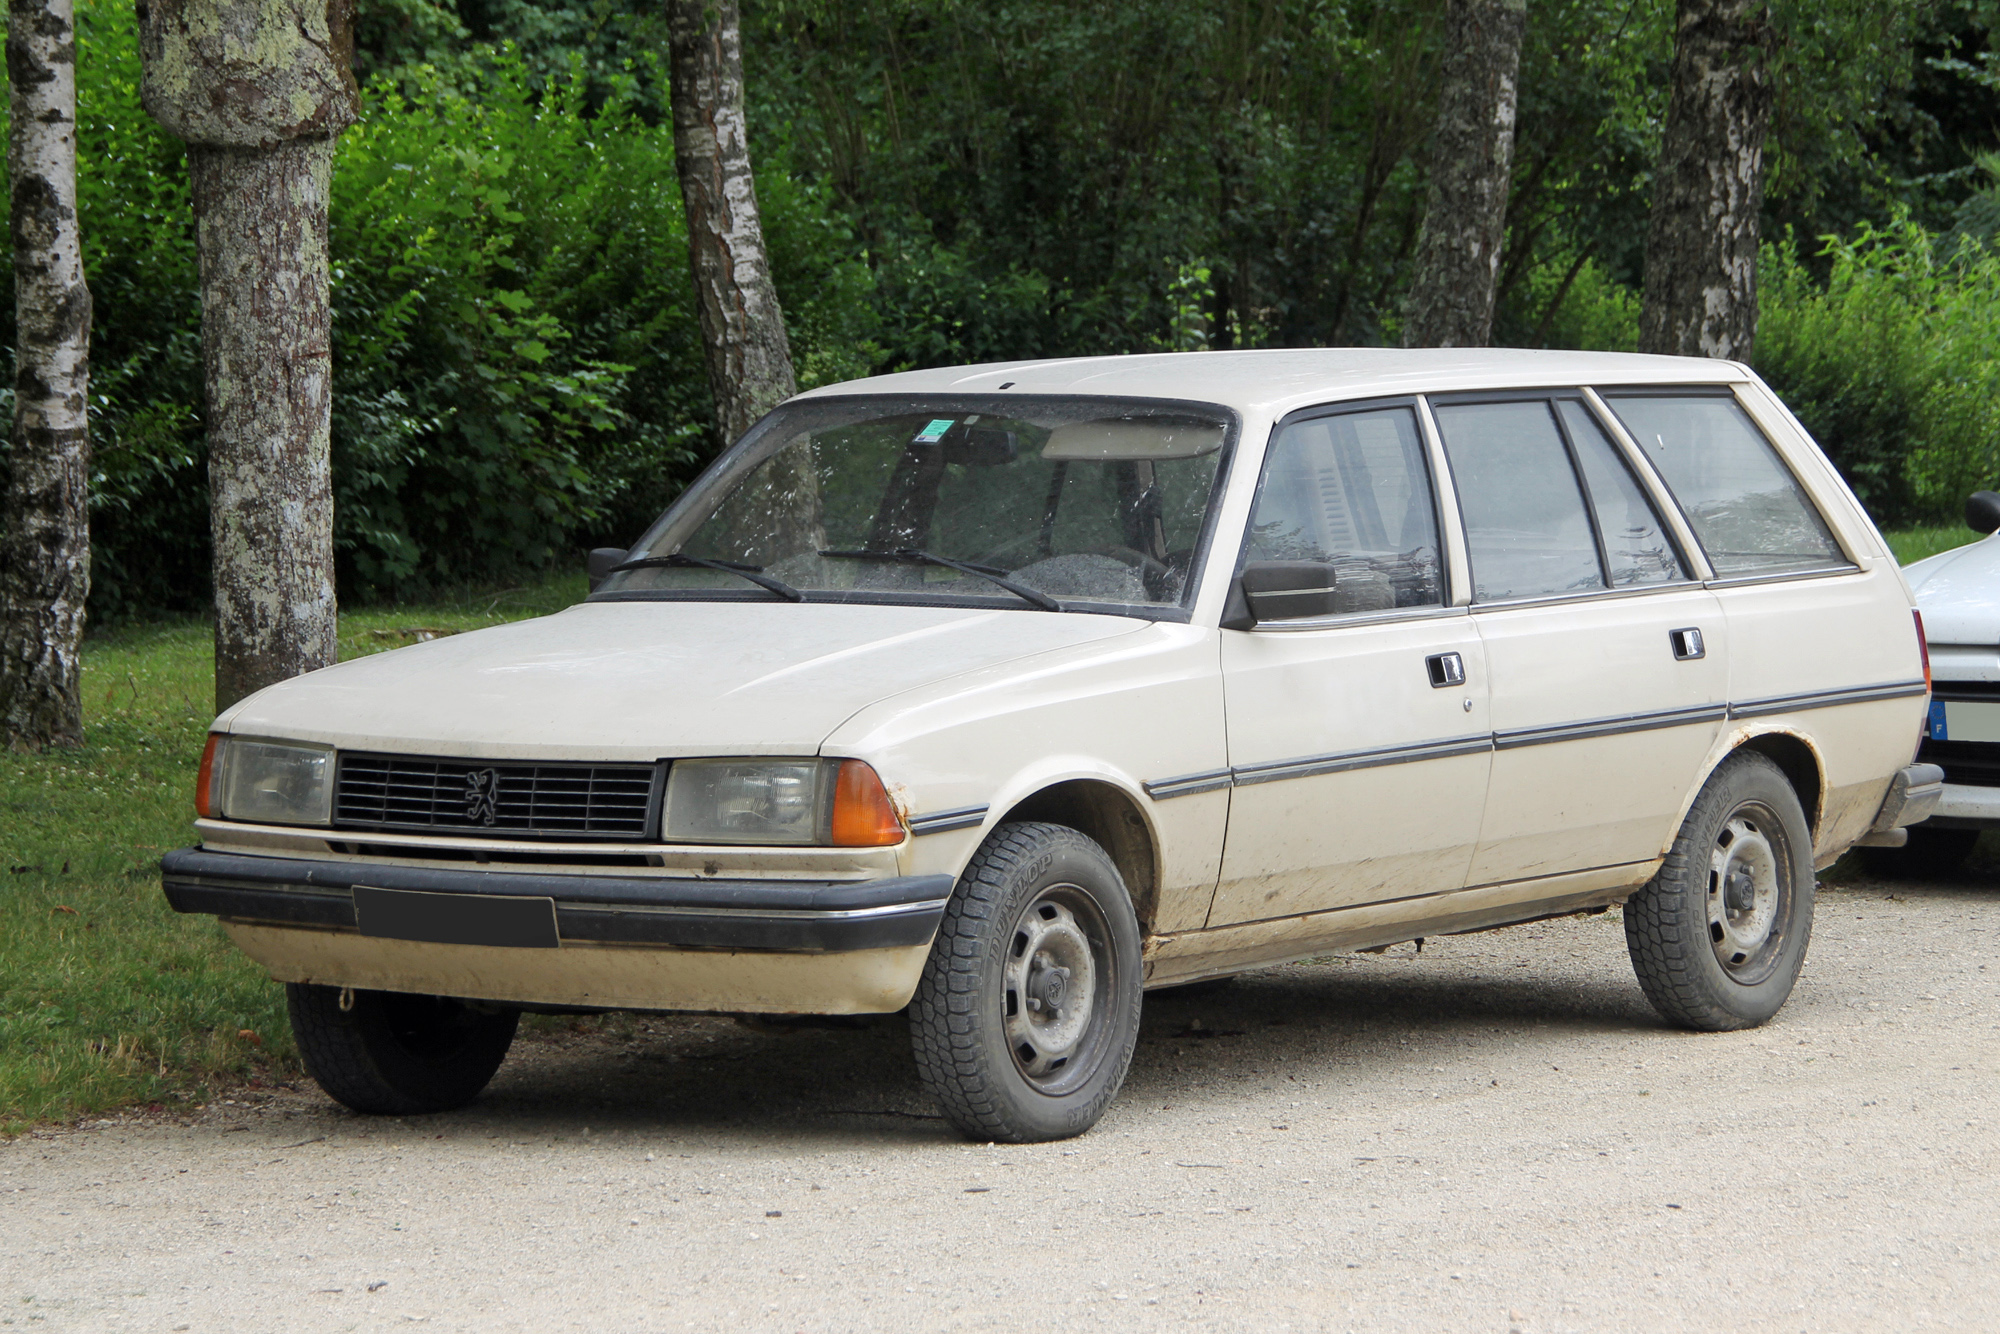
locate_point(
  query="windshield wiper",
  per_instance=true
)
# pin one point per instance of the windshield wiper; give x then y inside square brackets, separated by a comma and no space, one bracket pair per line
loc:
[913,556]
[754,573]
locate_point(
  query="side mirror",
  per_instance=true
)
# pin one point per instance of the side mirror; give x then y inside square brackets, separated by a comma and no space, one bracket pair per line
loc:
[600,564]
[1236,613]
[1279,590]
[1982,511]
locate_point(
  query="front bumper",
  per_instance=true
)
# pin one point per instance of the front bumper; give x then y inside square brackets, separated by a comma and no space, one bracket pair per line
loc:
[818,917]
[1966,806]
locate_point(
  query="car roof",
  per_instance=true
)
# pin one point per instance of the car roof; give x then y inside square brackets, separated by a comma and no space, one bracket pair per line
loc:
[1279,380]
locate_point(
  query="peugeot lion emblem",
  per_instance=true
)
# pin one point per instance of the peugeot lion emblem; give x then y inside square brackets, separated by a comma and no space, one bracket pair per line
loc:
[482,795]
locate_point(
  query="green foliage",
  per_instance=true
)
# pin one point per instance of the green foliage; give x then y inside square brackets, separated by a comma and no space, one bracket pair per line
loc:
[1890,364]
[1584,307]
[518,365]
[1910,545]
[107,996]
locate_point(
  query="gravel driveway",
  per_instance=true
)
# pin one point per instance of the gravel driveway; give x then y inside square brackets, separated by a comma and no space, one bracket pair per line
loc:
[1494,1135]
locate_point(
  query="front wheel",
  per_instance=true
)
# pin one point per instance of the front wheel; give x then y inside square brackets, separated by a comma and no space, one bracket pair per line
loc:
[394,1054]
[1024,1022]
[1718,936]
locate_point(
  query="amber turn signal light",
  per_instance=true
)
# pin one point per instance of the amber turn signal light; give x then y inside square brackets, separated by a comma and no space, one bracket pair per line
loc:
[863,816]
[204,802]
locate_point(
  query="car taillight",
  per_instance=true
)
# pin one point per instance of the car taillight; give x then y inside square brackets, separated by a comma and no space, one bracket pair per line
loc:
[863,816]
[204,801]
[1923,647]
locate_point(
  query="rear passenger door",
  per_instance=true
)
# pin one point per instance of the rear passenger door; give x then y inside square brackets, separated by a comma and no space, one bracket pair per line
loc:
[1817,644]
[1358,738]
[1607,661]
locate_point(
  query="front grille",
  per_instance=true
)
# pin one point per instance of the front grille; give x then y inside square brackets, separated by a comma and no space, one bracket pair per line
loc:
[1965,763]
[1966,690]
[496,799]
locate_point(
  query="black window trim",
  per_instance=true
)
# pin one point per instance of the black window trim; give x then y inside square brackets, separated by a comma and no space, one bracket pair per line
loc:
[1848,565]
[1347,408]
[727,464]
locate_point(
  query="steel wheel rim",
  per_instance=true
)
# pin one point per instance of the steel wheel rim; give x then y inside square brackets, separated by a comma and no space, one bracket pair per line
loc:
[1055,988]
[1749,892]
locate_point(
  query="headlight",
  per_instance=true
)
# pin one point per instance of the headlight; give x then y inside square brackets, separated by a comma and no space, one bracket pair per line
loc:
[837,802]
[268,782]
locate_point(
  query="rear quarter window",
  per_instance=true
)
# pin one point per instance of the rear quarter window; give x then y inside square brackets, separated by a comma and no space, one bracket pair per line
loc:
[1747,509]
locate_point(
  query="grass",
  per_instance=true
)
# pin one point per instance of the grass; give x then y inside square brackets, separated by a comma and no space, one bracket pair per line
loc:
[107,997]
[1913,544]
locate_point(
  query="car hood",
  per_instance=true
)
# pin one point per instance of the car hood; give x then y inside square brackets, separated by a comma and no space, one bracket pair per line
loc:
[645,680]
[1959,593]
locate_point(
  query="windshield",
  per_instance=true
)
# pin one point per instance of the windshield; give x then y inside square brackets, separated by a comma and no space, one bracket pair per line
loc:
[1021,501]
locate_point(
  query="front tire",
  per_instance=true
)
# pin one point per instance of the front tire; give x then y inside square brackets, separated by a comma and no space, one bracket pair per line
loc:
[1024,1022]
[395,1054]
[1718,936]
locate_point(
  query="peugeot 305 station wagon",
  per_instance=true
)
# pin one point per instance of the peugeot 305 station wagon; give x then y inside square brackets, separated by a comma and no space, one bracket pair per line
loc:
[1003,693]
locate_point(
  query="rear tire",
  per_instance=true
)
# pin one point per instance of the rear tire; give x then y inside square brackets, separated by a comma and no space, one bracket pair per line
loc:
[396,1054]
[1024,1022]
[1718,936]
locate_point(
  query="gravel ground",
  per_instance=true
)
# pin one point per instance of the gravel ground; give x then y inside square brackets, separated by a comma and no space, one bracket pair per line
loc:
[1494,1135]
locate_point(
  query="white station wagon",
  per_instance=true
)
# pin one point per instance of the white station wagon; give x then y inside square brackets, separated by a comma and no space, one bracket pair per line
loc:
[1003,693]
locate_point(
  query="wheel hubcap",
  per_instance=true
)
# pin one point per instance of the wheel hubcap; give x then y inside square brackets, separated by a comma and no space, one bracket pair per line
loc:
[1050,986]
[1746,889]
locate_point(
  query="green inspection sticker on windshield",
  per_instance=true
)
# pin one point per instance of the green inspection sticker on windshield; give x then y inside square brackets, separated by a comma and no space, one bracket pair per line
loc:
[934,432]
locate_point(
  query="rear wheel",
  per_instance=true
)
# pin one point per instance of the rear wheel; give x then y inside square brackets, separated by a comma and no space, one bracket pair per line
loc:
[1718,936]
[395,1054]
[1024,1022]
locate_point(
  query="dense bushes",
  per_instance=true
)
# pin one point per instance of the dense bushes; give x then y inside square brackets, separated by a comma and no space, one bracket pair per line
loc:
[517,357]
[1891,363]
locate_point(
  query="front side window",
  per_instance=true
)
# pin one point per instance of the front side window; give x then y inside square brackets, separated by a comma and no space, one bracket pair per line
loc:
[1748,511]
[1344,521]
[1048,502]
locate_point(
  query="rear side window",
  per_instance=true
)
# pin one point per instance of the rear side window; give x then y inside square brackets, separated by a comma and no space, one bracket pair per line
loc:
[1636,547]
[1527,530]
[1344,521]
[1744,505]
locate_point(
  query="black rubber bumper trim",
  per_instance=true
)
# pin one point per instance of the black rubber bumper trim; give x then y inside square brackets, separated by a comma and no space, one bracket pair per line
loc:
[814,916]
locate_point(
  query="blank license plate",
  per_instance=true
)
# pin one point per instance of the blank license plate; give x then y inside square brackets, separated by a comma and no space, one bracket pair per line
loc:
[1965,720]
[456,919]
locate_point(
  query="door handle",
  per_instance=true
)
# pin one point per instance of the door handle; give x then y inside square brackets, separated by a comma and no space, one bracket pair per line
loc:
[1446,669]
[1687,643]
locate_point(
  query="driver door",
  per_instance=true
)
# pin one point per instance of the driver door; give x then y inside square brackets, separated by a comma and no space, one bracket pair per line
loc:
[1358,732]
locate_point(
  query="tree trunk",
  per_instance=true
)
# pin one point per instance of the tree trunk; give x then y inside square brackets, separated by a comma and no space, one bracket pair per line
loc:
[1701,246]
[1472,154]
[45,564]
[749,357]
[259,89]
[262,232]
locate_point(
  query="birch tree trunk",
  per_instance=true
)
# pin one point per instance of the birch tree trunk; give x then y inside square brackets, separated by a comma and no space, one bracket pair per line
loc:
[258,89]
[1472,154]
[749,358]
[45,565]
[1701,246]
